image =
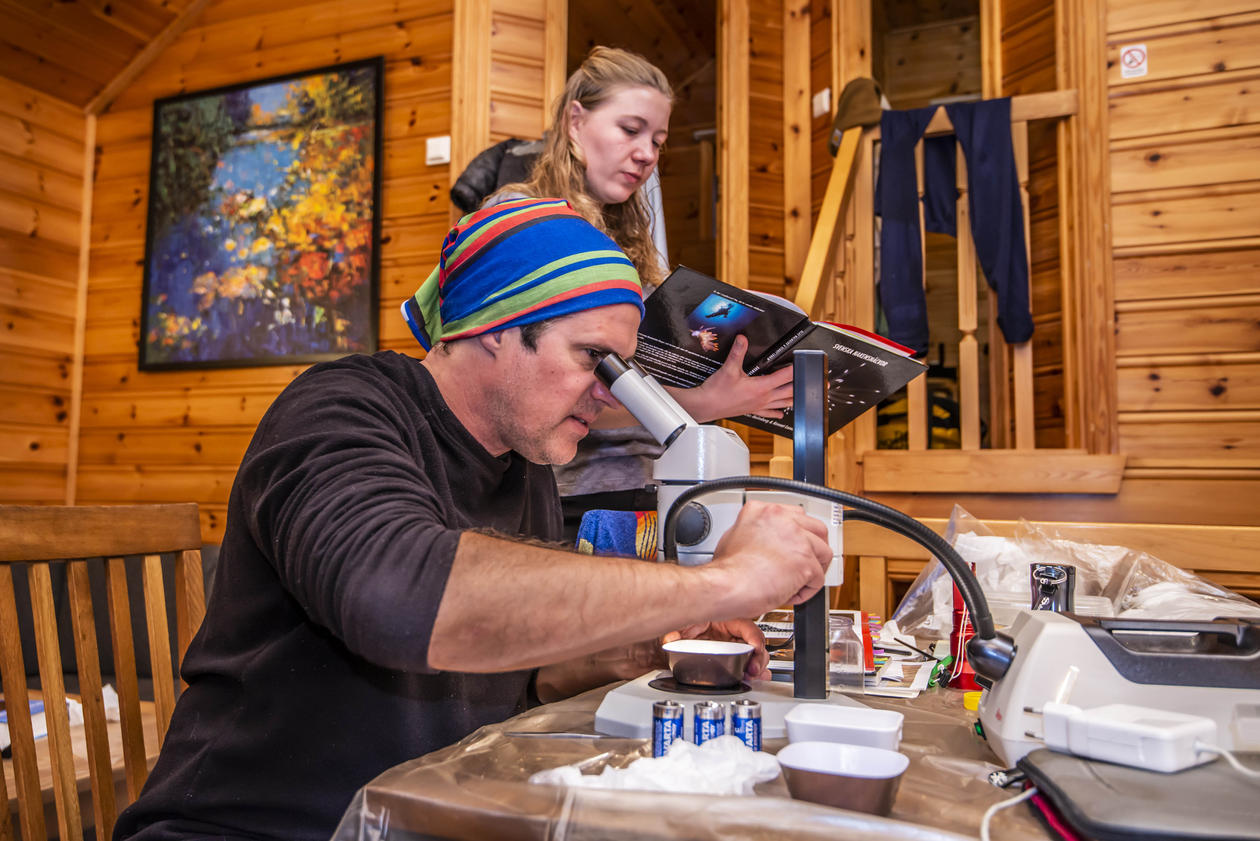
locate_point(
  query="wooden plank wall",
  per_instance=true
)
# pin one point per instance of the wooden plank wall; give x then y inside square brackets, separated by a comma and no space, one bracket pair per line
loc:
[766,270]
[179,436]
[1185,181]
[931,61]
[41,187]
[518,88]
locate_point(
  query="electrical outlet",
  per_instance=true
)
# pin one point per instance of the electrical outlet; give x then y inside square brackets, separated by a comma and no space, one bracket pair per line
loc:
[822,102]
[437,150]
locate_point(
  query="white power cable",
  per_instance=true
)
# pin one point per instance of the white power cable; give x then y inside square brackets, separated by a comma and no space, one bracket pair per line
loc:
[1203,747]
[997,807]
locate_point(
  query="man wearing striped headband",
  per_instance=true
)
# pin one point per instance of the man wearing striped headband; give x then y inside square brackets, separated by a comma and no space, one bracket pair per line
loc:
[533,264]
[502,267]
[374,599]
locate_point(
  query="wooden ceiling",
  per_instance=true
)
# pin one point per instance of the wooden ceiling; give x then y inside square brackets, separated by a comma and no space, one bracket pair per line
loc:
[80,51]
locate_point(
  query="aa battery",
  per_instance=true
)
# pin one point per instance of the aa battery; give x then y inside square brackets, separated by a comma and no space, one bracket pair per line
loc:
[667,725]
[710,721]
[746,722]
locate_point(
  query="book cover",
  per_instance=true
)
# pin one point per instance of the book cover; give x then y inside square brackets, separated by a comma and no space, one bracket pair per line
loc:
[692,319]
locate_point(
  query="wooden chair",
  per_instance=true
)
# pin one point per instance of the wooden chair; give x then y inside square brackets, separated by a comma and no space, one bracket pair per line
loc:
[42,538]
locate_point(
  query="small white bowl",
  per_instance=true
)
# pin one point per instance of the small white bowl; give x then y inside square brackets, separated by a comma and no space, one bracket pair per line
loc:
[856,777]
[847,725]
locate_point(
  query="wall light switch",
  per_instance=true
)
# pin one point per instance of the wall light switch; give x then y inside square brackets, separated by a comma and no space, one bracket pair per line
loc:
[437,150]
[822,102]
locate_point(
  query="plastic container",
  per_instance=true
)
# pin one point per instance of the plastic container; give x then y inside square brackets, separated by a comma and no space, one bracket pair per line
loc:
[855,777]
[846,725]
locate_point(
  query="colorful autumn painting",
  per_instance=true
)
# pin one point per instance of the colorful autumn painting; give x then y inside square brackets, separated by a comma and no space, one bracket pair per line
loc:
[263,229]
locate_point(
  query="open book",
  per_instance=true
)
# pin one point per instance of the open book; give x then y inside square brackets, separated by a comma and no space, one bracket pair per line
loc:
[692,320]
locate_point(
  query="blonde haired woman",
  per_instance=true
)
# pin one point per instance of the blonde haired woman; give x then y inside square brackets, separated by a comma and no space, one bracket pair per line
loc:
[606,135]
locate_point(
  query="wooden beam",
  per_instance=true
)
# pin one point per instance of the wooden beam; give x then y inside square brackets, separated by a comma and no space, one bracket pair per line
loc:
[733,123]
[1031,106]
[80,308]
[555,55]
[1085,32]
[796,140]
[470,85]
[992,471]
[851,42]
[990,49]
[146,56]
[1187,546]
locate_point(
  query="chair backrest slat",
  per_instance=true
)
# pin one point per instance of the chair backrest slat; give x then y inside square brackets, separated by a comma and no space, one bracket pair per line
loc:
[190,598]
[159,644]
[52,686]
[46,540]
[90,696]
[13,674]
[135,767]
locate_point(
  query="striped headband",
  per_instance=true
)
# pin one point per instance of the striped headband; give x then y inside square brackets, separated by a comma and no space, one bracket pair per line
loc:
[516,263]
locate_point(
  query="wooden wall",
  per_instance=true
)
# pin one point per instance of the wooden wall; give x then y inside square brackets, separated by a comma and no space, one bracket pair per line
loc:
[179,436]
[520,103]
[931,61]
[1185,188]
[41,196]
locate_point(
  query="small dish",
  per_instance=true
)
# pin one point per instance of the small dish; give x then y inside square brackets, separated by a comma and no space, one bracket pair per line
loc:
[712,663]
[854,777]
[848,725]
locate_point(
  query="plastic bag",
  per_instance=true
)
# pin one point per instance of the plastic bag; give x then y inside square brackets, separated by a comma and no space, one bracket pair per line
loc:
[1110,580]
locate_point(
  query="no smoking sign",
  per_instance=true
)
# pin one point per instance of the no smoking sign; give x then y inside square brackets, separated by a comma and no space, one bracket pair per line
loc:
[1133,61]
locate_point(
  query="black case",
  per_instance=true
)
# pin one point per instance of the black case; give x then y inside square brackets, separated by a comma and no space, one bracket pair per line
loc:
[1110,802]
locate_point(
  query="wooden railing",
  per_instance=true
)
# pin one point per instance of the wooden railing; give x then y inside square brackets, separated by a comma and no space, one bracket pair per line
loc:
[1011,461]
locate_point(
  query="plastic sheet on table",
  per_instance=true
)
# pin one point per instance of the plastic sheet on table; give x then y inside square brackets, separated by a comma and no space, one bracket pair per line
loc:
[477,789]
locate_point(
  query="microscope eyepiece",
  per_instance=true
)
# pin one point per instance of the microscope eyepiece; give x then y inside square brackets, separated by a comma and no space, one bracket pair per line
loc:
[644,397]
[610,368]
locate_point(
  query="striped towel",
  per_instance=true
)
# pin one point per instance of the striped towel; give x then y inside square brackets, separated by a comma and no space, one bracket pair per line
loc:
[627,534]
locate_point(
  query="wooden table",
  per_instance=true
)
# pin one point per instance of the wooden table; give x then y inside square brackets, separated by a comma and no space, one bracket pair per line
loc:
[78,741]
[478,789]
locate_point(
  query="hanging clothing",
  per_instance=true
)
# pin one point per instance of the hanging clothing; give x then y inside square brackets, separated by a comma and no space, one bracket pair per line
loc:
[983,129]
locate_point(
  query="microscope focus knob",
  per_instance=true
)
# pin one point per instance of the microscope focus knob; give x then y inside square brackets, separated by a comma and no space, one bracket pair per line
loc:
[694,524]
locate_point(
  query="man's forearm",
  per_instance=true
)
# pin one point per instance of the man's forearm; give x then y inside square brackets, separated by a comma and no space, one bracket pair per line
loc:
[564,680]
[510,605]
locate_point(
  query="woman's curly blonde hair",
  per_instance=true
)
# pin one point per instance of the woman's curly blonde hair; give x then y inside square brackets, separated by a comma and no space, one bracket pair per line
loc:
[561,172]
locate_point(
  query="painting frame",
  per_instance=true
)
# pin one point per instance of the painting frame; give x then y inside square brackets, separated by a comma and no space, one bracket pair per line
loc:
[283,267]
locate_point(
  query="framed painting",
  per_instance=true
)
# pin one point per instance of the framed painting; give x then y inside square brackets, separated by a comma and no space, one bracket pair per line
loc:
[263,237]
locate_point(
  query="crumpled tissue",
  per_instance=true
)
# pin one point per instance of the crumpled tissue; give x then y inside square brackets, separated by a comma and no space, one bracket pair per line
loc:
[724,765]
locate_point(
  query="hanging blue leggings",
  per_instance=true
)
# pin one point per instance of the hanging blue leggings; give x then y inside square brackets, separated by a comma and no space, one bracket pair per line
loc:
[997,216]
